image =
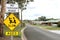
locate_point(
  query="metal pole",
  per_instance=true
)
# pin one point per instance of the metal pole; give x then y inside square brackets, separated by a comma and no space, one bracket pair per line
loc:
[11,37]
[21,17]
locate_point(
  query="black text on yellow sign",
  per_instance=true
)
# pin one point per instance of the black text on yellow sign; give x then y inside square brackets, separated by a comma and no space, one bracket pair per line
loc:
[12,33]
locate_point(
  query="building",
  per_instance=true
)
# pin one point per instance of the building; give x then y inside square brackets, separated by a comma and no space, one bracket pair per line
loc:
[51,22]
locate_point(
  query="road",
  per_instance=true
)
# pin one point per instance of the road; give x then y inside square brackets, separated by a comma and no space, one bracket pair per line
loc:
[34,33]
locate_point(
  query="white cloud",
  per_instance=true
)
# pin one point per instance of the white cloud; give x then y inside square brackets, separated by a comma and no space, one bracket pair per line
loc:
[48,8]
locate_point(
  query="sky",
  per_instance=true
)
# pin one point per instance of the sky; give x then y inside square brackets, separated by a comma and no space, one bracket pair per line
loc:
[48,8]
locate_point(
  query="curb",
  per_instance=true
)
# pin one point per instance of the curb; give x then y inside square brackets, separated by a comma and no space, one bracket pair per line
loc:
[23,37]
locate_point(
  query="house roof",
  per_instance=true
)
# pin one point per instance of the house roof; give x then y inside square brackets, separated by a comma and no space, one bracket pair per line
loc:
[53,21]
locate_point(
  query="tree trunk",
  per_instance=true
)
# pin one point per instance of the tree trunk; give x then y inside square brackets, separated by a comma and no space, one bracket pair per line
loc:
[3,3]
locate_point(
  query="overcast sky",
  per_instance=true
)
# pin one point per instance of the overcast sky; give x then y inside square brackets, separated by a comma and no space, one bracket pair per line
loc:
[48,8]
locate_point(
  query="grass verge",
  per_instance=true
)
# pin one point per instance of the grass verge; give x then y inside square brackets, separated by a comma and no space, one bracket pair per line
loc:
[48,27]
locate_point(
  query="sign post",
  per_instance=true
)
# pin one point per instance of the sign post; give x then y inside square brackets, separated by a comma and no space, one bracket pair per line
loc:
[12,38]
[12,21]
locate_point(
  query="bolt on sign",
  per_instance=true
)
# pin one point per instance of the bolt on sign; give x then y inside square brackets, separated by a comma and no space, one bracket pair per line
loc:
[12,22]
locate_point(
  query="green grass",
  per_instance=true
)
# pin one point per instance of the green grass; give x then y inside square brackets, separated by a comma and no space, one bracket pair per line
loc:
[48,27]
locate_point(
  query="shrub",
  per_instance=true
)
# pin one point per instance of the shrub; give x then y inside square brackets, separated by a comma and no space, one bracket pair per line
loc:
[34,23]
[58,24]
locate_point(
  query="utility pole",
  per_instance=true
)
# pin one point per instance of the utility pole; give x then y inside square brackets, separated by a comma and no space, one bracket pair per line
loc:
[22,16]
[3,3]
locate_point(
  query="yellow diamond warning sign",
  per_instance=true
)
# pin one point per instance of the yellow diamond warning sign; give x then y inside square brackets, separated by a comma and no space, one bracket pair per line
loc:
[11,21]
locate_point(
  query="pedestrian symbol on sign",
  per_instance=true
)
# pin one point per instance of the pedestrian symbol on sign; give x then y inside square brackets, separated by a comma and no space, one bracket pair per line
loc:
[12,20]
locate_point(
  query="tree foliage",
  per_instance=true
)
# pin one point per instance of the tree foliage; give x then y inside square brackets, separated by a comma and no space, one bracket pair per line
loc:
[23,3]
[42,18]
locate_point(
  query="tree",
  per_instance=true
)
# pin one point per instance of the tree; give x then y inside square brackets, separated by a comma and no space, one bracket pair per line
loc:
[36,19]
[42,18]
[3,3]
[22,6]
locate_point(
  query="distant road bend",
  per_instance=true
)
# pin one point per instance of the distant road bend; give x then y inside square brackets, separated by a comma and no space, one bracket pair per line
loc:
[34,33]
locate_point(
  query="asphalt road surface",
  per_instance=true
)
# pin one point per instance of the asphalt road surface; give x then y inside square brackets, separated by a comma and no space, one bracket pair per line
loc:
[34,33]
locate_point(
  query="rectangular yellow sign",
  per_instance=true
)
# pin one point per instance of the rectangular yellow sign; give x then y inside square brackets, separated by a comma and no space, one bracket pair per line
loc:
[11,33]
